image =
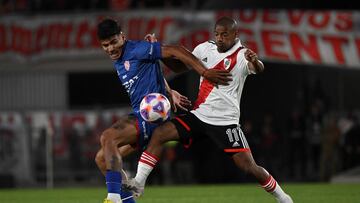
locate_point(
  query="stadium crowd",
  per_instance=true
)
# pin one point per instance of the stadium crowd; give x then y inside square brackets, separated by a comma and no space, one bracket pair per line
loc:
[45,6]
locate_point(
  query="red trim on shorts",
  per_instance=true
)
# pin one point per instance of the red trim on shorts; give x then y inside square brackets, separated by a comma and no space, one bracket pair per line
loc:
[237,150]
[187,146]
[183,123]
[137,144]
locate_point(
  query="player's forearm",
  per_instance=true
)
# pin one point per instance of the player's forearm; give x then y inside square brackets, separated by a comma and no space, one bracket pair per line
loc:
[184,56]
[167,87]
[257,66]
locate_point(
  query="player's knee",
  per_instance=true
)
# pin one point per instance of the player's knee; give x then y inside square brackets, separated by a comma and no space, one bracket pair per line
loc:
[107,137]
[99,159]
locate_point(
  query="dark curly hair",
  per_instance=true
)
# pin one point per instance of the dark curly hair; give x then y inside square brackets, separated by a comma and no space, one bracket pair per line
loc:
[108,28]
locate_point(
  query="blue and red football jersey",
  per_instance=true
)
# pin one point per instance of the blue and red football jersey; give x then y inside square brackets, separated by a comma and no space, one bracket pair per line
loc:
[139,70]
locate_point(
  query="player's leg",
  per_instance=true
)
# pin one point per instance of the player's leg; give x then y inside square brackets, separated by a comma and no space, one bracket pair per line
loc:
[100,159]
[179,128]
[126,196]
[233,142]
[123,132]
[149,158]
[245,161]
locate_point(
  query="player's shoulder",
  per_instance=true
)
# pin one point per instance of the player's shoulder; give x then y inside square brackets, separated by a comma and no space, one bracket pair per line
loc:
[207,44]
[137,43]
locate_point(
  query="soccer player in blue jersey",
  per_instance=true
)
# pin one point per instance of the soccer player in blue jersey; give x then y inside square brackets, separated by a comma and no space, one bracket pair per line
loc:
[138,68]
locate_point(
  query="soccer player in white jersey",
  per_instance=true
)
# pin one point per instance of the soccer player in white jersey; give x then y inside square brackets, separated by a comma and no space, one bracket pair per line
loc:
[216,112]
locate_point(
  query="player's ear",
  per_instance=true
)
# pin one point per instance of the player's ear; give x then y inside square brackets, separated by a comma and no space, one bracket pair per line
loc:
[237,33]
[122,36]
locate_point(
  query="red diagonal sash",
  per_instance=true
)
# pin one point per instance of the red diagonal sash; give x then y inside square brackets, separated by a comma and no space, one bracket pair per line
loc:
[206,87]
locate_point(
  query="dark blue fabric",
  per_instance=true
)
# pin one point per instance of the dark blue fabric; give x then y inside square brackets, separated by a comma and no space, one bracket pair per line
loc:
[125,196]
[139,70]
[113,181]
[145,131]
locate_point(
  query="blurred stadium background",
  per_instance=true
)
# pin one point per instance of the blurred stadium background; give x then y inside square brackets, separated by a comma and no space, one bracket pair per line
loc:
[58,90]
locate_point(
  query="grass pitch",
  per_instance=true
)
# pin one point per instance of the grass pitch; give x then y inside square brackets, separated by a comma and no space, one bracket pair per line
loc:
[244,193]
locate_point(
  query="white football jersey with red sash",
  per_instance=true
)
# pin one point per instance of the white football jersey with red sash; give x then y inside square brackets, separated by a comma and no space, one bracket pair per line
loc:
[221,106]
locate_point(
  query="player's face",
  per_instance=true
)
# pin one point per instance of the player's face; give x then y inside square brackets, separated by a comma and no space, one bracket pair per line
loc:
[113,46]
[224,37]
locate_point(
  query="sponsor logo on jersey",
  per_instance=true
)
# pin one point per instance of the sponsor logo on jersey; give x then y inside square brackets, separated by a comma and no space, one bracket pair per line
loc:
[151,49]
[146,136]
[227,63]
[128,84]
[204,59]
[127,65]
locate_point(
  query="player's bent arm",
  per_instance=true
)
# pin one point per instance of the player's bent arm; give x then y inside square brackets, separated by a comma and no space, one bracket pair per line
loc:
[254,64]
[216,77]
[185,56]
[257,66]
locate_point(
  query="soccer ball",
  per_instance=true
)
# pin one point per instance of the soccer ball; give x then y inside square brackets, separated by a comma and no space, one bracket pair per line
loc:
[155,108]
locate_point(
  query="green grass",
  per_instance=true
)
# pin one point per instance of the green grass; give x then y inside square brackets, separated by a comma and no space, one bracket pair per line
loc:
[244,193]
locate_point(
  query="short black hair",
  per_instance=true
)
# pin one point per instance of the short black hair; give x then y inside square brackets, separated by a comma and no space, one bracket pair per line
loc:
[108,28]
[227,22]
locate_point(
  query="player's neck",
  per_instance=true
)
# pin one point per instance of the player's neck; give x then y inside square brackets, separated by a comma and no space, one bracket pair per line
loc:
[220,51]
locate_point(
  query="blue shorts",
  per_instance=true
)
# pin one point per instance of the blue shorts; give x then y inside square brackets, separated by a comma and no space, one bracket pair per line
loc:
[144,130]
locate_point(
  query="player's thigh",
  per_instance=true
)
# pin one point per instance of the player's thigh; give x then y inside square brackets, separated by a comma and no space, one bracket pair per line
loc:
[243,159]
[126,150]
[188,127]
[122,132]
[165,132]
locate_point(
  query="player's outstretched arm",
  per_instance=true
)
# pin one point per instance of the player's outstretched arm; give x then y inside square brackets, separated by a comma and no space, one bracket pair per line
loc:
[218,77]
[174,64]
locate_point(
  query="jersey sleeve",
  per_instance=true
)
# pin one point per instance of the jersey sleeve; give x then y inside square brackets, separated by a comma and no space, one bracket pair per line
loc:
[148,51]
[197,52]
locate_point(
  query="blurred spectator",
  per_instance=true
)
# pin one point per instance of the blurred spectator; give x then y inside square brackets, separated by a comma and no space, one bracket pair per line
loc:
[253,138]
[32,6]
[314,133]
[119,5]
[351,143]
[297,145]
[330,147]
[6,6]
[270,144]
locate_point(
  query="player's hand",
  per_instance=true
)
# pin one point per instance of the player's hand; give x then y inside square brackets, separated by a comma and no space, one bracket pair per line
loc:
[251,56]
[179,101]
[217,77]
[150,38]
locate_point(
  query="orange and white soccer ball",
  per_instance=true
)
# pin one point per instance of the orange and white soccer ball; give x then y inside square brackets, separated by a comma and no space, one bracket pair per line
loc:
[155,107]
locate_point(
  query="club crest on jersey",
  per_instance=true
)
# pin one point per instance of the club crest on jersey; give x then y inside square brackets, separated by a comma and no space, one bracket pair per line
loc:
[227,63]
[127,65]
